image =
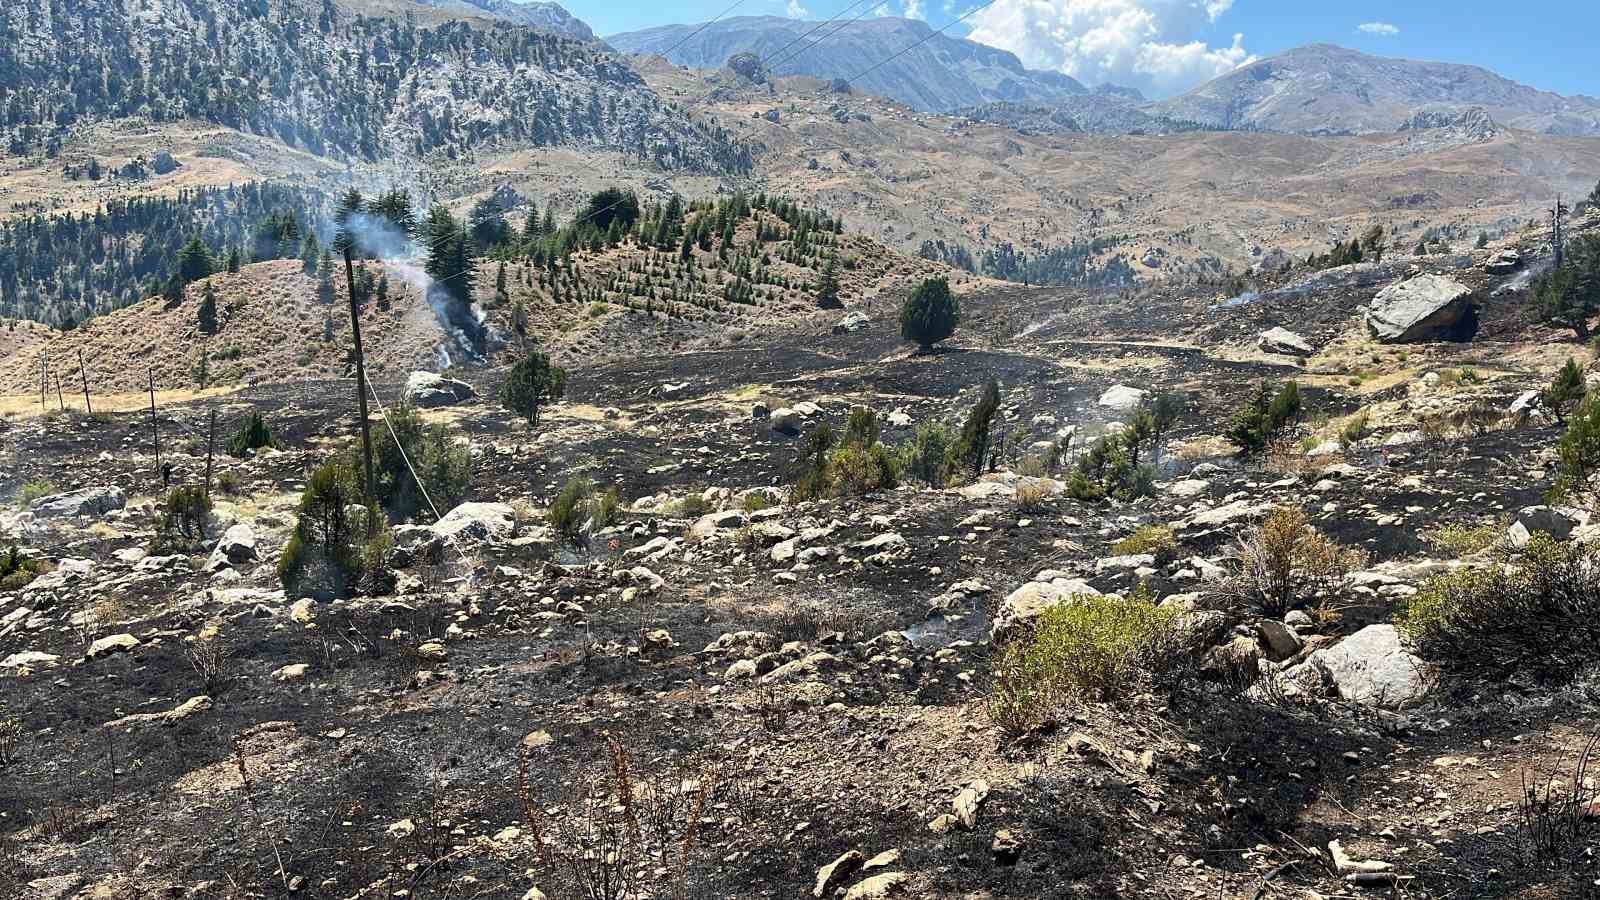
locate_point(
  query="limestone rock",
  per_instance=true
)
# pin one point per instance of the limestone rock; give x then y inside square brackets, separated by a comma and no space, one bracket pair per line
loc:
[1283,342]
[92,501]
[1424,308]
[427,390]
[1373,668]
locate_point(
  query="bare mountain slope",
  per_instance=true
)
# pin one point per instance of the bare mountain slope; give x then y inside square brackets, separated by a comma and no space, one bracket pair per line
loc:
[943,74]
[1324,88]
[551,17]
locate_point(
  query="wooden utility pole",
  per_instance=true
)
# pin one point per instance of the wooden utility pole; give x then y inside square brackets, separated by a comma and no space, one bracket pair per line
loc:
[361,369]
[155,429]
[84,371]
[211,446]
[61,402]
[1555,227]
[44,382]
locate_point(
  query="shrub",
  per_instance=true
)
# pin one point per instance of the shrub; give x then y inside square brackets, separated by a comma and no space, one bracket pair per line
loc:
[927,456]
[755,501]
[532,384]
[185,516]
[1263,416]
[930,314]
[18,571]
[1032,494]
[1108,470]
[1465,540]
[1087,647]
[1538,617]
[812,480]
[443,465]
[1284,562]
[1155,539]
[252,434]
[971,450]
[330,552]
[579,505]
[1565,391]
[33,490]
[1578,454]
[229,482]
[1354,430]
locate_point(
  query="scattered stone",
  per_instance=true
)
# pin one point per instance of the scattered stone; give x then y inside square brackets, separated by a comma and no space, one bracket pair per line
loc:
[1122,398]
[1371,667]
[1283,342]
[830,875]
[116,643]
[879,887]
[1006,847]
[429,390]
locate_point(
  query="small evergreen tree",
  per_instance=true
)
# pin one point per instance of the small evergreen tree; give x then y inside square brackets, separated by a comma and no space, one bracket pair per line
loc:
[930,314]
[828,287]
[532,384]
[194,261]
[971,451]
[1263,416]
[207,314]
[1565,392]
[1578,454]
[1570,295]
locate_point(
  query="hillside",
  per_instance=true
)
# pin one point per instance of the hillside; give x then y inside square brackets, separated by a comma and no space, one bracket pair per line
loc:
[316,77]
[1328,89]
[1204,201]
[941,74]
[551,17]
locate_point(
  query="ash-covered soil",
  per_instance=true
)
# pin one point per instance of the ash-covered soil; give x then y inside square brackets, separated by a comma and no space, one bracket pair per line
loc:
[776,687]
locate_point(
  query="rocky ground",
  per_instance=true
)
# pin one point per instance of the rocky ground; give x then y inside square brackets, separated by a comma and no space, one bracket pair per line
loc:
[794,696]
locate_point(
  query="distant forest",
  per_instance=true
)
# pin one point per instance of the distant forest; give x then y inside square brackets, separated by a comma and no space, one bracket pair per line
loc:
[62,270]
[1073,264]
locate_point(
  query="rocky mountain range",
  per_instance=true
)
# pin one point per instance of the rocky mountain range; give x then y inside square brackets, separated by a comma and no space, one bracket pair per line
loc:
[1324,88]
[551,17]
[322,78]
[941,74]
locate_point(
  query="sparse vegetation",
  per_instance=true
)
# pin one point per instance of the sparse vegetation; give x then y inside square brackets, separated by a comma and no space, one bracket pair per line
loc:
[1569,296]
[252,434]
[579,508]
[1154,539]
[531,385]
[185,517]
[1088,647]
[34,490]
[442,463]
[1536,618]
[1566,391]
[1466,540]
[1284,563]
[18,571]
[332,552]
[1266,413]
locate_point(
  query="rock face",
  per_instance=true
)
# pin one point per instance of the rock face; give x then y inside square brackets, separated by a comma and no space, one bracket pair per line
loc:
[428,389]
[94,501]
[1122,398]
[1425,308]
[1372,667]
[1284,342]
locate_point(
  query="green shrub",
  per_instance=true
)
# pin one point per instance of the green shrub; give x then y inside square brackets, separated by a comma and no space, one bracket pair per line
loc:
[1109,470]
[579,504]
[1088,647]
[930,314]
[18,571]
[1354,430]
[927,457]
[252,434]
[1465,540]
[755,501]
[853,472]
[443,464]
[1578,454]
[1265,414]
[693,505]
[1537,618]
[332,553]
[1566,390]
[812,478]
[185,516]
[971,449]
[33,490]
[1155,539]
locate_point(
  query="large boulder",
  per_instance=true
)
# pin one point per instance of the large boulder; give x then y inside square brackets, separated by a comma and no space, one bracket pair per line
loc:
[1283,342]
[477,522]
[1531,520]
[1504,263]
[1024,605]
[430,389]
[1372,667]
[1424,308]
[1274,261]
[1122,398]
[92,501]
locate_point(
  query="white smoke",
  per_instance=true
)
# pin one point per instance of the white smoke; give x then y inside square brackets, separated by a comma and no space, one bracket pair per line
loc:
[1153,45]
[377,237]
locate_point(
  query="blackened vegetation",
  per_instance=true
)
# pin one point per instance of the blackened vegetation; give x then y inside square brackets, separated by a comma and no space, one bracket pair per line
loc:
[332,83]
[62,270]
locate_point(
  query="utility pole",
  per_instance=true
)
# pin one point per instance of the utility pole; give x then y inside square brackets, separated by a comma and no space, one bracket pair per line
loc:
[155,428]
[211,446]
[61,402]
[361,368]
[44,381]
[84,371]
[1555,227]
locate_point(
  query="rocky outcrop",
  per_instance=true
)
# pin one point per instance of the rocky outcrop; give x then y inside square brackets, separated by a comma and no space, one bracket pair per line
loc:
[1122,398]
[1424,308]
[1283,342]
[427,390]
[91,501]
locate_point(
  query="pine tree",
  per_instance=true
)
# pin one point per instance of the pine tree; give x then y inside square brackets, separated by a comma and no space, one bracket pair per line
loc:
[828,287]
[208,310]
[1565,392]
[194,261]
[532,384]
[930,314]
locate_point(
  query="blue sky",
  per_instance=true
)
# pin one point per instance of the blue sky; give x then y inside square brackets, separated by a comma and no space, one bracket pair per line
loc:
[1166,46]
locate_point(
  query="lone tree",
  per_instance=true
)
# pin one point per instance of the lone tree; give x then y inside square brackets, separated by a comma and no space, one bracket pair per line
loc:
[208,310]
[930,314]
[971,451]
[533,383]
[1565,392]
[828,287]
[1569,294]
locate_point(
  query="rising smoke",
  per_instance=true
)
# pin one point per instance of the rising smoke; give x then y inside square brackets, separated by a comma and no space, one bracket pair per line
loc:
[379,238]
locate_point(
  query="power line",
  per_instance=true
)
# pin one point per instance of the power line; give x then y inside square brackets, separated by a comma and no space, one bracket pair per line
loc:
[926,38]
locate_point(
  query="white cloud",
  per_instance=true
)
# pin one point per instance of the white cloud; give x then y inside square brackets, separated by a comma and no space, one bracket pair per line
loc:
[1153,45]
[796,11]
[914,10]
[1379,28]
